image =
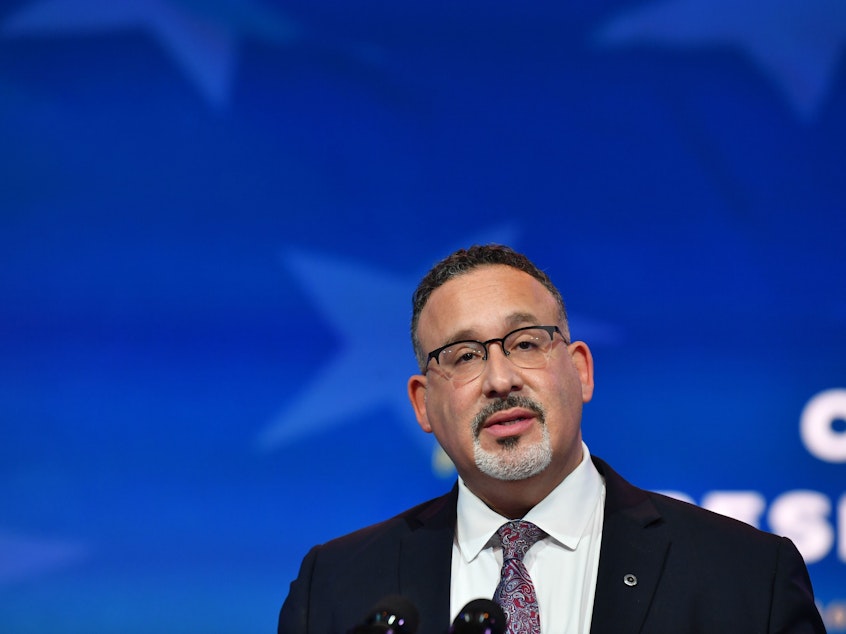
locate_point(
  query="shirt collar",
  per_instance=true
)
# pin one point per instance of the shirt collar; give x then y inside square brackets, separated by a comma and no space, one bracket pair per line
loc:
[578,493]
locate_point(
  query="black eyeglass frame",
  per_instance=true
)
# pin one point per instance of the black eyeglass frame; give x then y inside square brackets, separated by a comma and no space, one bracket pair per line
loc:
[550,330]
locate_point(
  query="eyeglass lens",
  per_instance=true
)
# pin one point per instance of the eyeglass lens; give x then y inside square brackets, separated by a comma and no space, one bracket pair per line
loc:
[525,347]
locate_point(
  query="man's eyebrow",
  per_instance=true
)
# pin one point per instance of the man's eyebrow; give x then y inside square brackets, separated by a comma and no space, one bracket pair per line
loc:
[461,335]
[514,320]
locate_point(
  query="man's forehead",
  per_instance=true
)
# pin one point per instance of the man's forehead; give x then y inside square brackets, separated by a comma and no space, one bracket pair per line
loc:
[507,324]
[489,278]
[486,303]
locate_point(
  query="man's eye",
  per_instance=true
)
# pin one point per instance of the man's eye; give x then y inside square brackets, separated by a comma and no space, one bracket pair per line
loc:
[525,345]
[463,355]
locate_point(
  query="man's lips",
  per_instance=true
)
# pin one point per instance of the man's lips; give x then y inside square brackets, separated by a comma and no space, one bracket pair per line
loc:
[511,422]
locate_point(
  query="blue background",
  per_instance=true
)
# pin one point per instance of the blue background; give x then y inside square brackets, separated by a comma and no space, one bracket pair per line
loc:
[213,214]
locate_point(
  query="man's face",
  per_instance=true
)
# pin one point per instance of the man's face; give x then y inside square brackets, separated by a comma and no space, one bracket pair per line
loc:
[509,423]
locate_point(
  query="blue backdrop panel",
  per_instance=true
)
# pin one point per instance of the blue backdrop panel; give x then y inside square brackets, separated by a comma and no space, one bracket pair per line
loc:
[213,214]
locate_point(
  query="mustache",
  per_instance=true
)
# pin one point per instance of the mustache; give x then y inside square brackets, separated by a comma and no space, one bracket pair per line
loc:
[509,402]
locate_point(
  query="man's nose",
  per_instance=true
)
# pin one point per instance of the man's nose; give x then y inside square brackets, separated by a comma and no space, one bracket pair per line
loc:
[500,376]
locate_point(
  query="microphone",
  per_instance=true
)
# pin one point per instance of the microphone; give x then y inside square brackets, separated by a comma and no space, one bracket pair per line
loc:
[480,616]
[393,614]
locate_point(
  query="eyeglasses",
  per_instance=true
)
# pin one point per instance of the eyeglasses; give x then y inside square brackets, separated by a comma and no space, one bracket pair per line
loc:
[527,348]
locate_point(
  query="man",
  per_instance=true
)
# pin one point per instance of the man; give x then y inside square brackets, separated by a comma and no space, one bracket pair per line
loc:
[502,388]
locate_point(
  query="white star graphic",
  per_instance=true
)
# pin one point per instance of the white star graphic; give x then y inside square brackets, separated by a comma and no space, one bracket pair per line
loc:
[368,309]
[358,302]
[200,37]
[797,43]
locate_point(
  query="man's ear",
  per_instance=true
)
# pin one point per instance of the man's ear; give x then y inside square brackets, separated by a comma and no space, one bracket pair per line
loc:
[583,360]
[417,395]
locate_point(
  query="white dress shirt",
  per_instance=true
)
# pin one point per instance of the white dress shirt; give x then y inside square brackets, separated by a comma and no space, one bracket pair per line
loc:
[563,566]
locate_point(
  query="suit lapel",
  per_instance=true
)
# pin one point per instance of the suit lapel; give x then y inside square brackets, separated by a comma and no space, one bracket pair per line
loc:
[634,547]
[425,565]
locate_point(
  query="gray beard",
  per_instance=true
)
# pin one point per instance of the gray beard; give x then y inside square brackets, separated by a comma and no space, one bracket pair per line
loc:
[515,459]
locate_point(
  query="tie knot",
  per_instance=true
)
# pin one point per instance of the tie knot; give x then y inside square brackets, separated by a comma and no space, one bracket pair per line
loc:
[517,537]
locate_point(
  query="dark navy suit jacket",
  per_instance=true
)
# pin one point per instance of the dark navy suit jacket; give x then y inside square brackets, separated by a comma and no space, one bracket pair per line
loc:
[696,571]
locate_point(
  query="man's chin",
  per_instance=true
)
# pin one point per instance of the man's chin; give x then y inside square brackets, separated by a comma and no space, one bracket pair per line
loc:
[512,463]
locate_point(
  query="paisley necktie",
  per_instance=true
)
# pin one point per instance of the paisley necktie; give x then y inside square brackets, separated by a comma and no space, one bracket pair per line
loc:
[515,592]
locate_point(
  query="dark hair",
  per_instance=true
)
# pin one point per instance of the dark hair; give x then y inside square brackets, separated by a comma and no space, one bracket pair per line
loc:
[465,260]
